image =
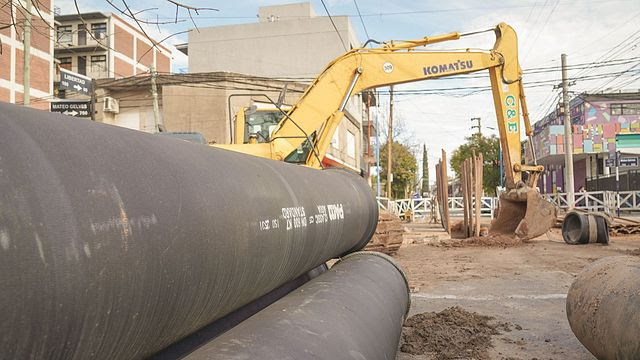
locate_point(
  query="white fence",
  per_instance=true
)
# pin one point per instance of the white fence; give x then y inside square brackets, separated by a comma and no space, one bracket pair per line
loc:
[421,207]
[605,201]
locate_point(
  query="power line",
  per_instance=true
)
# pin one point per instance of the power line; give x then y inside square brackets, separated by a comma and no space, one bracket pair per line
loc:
[334,25]
[361,20]
[603,86]
[412,12]
[535,21]
[608,53]
[543,25]
[624,23]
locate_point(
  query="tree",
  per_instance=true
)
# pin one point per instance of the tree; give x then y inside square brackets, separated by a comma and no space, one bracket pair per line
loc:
[425,170]
[490,149]
[403,166]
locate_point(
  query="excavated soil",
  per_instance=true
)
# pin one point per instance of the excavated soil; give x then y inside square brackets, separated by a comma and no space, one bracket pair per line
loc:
[453,333]
[499,240]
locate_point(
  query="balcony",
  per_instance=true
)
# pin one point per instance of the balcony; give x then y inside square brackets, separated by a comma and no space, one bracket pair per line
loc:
[71,43]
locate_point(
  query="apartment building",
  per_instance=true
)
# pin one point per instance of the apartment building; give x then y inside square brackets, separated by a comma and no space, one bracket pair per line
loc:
[12,52]
[104,45]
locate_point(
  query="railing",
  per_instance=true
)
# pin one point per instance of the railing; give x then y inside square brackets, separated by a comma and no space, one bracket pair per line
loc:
[591,201]
[421,207]
[487,206]
[604,201]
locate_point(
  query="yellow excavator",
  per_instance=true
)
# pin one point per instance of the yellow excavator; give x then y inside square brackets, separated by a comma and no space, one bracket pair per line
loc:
[304,132]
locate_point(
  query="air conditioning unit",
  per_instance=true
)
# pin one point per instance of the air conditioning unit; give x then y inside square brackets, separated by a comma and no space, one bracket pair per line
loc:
[111,105]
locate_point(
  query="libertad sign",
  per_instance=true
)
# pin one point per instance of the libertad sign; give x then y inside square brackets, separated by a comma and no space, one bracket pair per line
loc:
[75,82]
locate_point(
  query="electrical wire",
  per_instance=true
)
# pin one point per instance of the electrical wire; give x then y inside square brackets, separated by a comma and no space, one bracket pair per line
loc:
[355,2]
[334,25]
[543,26]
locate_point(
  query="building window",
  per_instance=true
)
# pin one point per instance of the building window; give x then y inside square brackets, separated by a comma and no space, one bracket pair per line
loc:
[599,166]
[351,144]
[616,109]
[98,63]
[99,30]
[65,63]
[64,34]
[625,109]
[631,109]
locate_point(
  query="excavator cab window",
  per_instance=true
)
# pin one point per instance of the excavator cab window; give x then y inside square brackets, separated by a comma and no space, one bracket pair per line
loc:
[262,123]
[300,155]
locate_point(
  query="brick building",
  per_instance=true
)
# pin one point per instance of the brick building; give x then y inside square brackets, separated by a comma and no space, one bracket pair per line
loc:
[103,45]
[12,55]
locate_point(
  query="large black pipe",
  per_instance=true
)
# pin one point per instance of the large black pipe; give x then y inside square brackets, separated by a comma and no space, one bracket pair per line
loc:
[603,308]
[353,311]
[585,228]
[116,243]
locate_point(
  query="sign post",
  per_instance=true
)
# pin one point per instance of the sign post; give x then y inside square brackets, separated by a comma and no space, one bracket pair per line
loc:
[72,108]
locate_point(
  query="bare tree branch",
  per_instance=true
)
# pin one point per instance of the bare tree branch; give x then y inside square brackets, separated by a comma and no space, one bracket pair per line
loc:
[189,9]
[161,41]
[133,17]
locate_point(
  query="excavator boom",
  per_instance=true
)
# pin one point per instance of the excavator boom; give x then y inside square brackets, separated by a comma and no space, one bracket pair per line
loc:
[312,121]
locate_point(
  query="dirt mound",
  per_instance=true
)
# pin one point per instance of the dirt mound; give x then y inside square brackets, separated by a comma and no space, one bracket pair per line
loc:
[453,333]
[491,240]
[635,252]
[499,240]
[388,235]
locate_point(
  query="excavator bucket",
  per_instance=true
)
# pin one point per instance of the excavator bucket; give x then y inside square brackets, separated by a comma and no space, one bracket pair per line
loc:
[524,213]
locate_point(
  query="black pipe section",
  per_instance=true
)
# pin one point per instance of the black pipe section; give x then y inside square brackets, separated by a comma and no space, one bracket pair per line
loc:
[188,344]
[603,308]
[584,229]
[115,244]
[353,311]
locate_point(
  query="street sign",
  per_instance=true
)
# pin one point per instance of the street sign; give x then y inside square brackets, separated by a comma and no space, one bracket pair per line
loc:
[75,82]
[629,161]
[610,162]
[72,108]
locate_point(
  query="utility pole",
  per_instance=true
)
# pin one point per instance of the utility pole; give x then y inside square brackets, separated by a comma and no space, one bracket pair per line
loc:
[369,136]
[378,172]
[568,136]
[479,126]
[26,68]
[158,127]
[390,143]
[93,99]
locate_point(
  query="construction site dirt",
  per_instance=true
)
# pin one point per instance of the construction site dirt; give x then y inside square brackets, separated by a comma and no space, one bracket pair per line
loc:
[494,299]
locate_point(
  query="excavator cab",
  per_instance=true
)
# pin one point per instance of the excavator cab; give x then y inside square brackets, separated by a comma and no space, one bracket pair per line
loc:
[256,122]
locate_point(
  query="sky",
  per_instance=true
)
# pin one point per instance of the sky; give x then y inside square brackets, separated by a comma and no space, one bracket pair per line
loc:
[586,30]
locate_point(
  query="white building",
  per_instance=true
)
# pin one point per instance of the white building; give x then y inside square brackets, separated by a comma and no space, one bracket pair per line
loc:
[288,41]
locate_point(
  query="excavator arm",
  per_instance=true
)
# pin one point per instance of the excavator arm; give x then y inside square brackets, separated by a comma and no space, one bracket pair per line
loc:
[320,109]
[314,118]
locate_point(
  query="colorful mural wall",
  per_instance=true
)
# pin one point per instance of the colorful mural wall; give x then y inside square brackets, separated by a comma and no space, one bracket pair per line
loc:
[594,126]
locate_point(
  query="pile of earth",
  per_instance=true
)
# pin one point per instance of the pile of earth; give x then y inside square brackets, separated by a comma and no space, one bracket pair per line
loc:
[453,333]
